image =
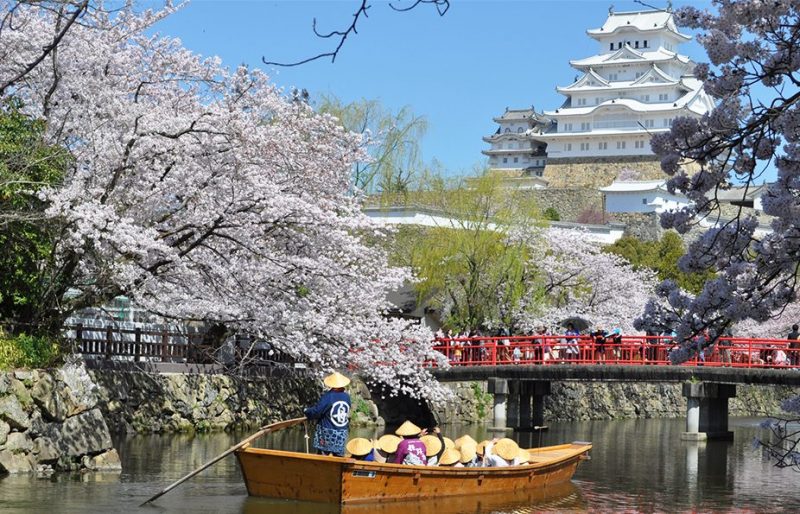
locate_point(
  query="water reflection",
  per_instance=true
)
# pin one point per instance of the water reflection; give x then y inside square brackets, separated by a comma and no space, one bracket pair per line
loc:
[637,465]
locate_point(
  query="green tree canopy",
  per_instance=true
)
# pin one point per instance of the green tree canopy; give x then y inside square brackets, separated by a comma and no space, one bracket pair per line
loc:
[469,268]
[29,285]
[662,257]
[393,143]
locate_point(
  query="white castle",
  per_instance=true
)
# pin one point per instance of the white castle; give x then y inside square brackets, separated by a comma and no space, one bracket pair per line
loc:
[633,88]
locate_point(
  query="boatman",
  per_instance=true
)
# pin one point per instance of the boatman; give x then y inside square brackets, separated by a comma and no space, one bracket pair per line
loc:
[333,413]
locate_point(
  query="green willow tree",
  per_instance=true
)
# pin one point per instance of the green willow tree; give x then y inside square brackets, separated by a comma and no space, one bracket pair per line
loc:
[662,257]
[393,143]
[29,277]
[468,268]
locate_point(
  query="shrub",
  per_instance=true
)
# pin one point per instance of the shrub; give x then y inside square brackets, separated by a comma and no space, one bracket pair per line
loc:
[28,351]
[551,214]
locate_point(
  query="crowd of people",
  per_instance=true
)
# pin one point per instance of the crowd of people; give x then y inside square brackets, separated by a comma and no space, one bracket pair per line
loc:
[568,344]
[409,445]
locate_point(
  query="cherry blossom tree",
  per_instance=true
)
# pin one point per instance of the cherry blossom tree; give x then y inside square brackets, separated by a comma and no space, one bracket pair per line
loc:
[206,195]
[753,74]
[580,279]
[754,51]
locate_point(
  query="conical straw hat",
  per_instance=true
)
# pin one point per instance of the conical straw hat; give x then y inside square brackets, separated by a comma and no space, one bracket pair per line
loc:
[408,428]
[432,445]
[468,453]
[506,448]
[388,443]
[523,457]
[480,447]
[359,446]
[450,457]
[464,439]
[336,380]
[448,443]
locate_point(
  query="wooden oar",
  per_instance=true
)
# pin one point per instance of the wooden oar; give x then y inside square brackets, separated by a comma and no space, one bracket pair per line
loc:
[262,431]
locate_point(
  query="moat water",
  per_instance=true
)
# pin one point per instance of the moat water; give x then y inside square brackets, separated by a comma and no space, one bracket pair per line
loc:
[636,466]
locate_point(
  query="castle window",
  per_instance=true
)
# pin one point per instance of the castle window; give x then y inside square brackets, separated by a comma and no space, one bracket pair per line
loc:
[602,146]
[519,130]
[516,159]
[636,44]
[611,46]
[649,123]
[644,43]
[663,97]
[568,147]
[507,130]
[645,98]
[505,160]
[644,201]
[620,145]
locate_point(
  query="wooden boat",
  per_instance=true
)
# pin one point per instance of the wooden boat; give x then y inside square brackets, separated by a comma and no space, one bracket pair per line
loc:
[338,480]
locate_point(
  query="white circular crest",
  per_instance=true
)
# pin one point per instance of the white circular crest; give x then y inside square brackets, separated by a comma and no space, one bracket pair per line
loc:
[339,413]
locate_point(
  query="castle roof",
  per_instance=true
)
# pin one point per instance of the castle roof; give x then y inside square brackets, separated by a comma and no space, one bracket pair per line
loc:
[642,21]
[520,115]
[627,55]
[635,186]
[686,101]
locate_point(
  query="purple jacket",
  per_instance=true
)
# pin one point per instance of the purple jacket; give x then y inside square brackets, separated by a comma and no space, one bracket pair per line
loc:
[414,449]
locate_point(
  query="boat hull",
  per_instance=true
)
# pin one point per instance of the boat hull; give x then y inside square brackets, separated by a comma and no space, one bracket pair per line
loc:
[298,476]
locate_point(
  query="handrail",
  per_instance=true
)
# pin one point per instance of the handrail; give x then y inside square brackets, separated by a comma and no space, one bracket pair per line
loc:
[738,352]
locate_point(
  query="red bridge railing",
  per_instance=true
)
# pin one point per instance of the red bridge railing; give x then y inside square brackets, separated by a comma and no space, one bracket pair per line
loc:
[625,350]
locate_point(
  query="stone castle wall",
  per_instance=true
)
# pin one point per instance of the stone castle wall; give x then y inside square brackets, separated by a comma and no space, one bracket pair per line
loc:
[568,202]
[641,225]
[598,171]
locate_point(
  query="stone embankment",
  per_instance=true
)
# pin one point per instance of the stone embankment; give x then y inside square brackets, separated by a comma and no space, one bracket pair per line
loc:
[136,402]
[51,420]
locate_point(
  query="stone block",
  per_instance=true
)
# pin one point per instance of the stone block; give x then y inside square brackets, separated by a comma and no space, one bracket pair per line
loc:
[78,393]
[4,430]
[23,375]
[45,394]
[19,442]
[5,383]
[12,413]
[19,390]
[11,462]
[106,461]
[46,450]
[86,433]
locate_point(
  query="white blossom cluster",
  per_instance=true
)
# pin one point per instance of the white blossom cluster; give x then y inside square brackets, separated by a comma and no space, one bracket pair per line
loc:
[204,194]
[579,279]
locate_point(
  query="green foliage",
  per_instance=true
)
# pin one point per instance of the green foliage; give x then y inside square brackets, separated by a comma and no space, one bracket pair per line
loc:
[395,157]
[662,257]
[551,214]
[28,351]
[471,270]
[484,400]
[27,164]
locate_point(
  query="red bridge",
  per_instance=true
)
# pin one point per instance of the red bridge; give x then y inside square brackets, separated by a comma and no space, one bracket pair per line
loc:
[620,350]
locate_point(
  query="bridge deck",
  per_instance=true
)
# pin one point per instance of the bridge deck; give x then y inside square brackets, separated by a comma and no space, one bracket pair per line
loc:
[622,373]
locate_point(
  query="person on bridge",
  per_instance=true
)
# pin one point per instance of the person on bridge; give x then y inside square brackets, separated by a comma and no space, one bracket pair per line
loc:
[411,450]
[333,413]
[794,346]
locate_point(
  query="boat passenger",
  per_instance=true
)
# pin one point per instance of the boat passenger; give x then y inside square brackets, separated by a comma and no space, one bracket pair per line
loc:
[448,443]
[451,458]
[386,448]
[523,457]
[434,446]
[411,450]
[465,440]
[469,456]
[501,453]
[333,413]
[361,449]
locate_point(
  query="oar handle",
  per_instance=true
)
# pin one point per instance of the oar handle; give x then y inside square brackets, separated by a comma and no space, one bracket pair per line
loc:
[280,425]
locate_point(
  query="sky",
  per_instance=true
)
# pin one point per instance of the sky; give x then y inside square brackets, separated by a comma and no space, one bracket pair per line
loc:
[458,70]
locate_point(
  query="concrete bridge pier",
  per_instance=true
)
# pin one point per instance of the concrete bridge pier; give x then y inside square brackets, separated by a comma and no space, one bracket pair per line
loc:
[499,388]
[707,410]
[532,401]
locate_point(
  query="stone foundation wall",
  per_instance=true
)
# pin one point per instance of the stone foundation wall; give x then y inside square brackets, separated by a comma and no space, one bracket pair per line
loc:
[568,202]
[572,401]
[51,420]
[598,171]
[641,225]
[185,402]
[472,404]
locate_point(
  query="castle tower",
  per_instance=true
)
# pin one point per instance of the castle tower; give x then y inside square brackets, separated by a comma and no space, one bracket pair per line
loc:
[513,150]
[632,88]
